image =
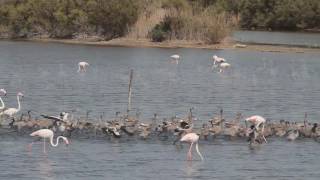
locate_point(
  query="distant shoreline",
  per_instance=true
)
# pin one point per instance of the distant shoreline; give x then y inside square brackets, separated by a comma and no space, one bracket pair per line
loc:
[127,42]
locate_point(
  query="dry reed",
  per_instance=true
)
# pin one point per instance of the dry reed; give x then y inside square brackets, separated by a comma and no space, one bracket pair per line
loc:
[206,26]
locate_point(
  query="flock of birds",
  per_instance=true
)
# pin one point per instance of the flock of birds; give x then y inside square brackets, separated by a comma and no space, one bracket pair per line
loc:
[255,128]
[218,62]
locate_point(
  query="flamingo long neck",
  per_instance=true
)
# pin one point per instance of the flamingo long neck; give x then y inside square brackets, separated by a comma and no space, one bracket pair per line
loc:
[57,141]
[19,106]
[197,149]
[2,104]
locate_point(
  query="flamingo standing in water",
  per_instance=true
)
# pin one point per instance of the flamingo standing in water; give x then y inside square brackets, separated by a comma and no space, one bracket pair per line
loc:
[2,93]
[217,60]
[223,66]
[12,111]
[82,66]
[175,58]
[48,134]
[257,121]
[220,62]
[191,138]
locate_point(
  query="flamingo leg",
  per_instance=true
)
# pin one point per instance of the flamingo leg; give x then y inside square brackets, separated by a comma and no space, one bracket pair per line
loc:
[29,147]
[263,133]
[44,145]
[81,69]
[189,157]
[213,66]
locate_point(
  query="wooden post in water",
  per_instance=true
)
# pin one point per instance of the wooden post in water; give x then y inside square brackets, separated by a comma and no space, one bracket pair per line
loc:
[305,120]
[130,92]
[221,118]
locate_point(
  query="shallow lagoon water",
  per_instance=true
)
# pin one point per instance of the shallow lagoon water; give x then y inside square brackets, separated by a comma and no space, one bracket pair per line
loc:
[279,38]
[133,159]
[274,85]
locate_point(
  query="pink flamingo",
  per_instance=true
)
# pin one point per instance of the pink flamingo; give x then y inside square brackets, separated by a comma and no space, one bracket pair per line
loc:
[48,134]
[191,138]
[82,66]
[257,121]
[2,93]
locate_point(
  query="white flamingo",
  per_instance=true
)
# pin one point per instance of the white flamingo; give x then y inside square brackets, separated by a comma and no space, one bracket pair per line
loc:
[191,138]
[223,66]
[12,111]
[257,121]
[175,58]
[48,134]
[82,66]
[217,60]
[3,93]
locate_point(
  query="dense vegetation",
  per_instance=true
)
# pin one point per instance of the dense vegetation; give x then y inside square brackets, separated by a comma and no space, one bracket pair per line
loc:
[184,19]
[279,14]
[202,20]
[65,18]
[192,20]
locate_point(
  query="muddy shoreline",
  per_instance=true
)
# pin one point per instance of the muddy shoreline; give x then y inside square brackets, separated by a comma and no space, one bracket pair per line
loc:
[126,42]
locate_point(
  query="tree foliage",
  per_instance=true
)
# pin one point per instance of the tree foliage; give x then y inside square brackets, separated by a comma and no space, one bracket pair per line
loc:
[65,18]
[186,18]
[280,15]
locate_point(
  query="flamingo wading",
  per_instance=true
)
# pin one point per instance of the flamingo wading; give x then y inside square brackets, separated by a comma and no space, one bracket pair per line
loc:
[12,111]
[82,66]
[175,58]
[223,66]
[217,60]
[48,134]
[257,121]
[220,62]
[191,138]
[4,93]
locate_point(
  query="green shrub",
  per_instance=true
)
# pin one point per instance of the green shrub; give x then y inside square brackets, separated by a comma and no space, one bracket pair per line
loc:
[158,34]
